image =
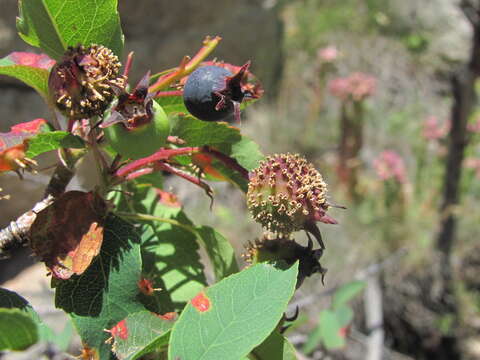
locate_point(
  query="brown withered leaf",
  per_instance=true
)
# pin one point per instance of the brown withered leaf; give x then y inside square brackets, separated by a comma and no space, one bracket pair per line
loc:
[68,234]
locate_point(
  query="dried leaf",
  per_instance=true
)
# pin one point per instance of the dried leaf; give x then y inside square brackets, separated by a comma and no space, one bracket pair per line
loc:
[68,234]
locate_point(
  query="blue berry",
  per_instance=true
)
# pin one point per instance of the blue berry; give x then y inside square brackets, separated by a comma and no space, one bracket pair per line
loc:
[213,93]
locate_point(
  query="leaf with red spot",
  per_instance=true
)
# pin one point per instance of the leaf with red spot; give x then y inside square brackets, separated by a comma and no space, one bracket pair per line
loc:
[227,320]
[120,330]
[30,139]
[32,69]
[333,323]
[146,287]
[167,198]
[141,333]
[14,144]
[107,292]
[328,331]
[170,253]
[68,234]
[201,302]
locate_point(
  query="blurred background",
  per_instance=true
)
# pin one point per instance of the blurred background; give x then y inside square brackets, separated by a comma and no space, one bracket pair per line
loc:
[380,96]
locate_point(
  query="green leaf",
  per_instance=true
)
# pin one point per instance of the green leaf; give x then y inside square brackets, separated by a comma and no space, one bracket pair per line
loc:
[146,332]
[247,153]
[344,315]
[27,327]
[107,291]
[347,292]
[172,104]
[54,25]
[330,329]
[32,69]
[197,132]
[11,300]
[227,320]
[220,252]
[64,338]
[18,330]
[170,253]
[49,141]
[222,137]
[313,341]
[275,347]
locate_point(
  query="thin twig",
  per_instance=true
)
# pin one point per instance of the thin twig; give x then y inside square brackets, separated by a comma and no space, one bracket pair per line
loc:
[147,217]
[16,233]
[374,318]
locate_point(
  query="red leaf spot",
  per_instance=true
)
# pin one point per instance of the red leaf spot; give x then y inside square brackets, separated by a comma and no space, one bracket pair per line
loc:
[33,126]
[88,353]
[343,331]
[120,330]
[201,302]
[29,59]
[169,316]
[167,198]
[145,286]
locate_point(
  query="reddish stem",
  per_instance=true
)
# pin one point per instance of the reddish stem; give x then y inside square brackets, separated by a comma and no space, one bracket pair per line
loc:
[168,93]
[128,65]
[138,173]
[193,179]
[186,65]
[227,160]
[162,154]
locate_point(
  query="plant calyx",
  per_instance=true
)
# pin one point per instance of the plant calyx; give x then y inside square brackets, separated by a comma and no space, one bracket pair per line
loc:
[136,126]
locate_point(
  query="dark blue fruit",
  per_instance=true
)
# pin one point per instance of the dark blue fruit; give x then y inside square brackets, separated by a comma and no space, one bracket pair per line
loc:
[213,93]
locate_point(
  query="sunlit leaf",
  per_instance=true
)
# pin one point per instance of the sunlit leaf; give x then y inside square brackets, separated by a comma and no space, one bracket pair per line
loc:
[228,319]
[220,252]
[275,347]
[107,291]
[30,68]
[45,142]
[11,300]
[346,293]
[17,330]
[54,25]
[142,332]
